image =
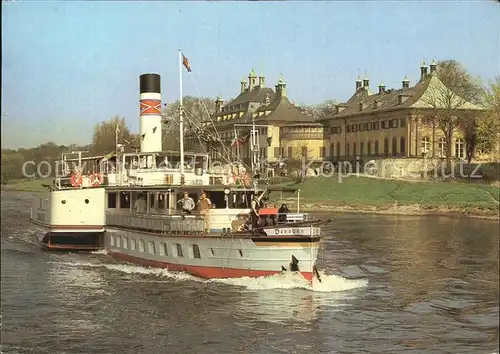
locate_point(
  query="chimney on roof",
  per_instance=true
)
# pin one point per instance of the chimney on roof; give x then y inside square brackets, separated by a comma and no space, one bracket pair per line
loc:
[358,84]
[423,70]
[281,88]
[381,87]
[433,67]
[262,79]
[366,82]
[218,104]
[243,85]
[405,83]
[252,80]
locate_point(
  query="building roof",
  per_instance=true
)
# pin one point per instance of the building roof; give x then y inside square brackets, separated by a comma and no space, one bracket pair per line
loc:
[257,94]
[282,110]
[425,94]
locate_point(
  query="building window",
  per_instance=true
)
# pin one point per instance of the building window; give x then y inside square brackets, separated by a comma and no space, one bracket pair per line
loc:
[394,123]
[442,147]
[125,242]
[163,249]
[369,126]
[290,152]
[132,244]
[118,241]
[348,130]
[179,250]
[394,146]
[376,125]
[386,147]
[369,146]
[459,148]
[338,150]
[141,245]
[376,147]
[151,247]
[361,148]
[354,128]
[196,251]
[347,152]
[322,151]
[402,122]
[111,240]
[402,145]
[362,127]
[425,144]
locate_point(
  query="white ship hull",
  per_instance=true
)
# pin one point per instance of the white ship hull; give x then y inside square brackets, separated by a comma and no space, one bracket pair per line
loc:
[215,256]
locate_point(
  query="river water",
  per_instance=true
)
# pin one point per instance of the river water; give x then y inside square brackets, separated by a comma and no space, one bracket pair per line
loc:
[391,285]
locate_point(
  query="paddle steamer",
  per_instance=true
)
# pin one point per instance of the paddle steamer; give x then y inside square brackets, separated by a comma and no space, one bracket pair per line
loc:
[127,204]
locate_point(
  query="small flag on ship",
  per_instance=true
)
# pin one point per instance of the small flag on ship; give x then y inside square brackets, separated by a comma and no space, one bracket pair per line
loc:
[185,61]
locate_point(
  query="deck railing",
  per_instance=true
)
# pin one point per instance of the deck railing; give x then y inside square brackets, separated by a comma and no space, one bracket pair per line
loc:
[158,223]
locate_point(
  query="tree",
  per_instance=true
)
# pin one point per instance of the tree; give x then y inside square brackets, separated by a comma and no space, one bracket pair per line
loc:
[488,124]
[12,163]
[321,110]
[105,133]
[195,111]
[452,102]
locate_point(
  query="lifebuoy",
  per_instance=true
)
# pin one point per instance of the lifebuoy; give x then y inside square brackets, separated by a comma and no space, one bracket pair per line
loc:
[96,179]
[76,180]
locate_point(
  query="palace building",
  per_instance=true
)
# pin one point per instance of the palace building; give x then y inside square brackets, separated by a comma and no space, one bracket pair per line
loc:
[284,131]
[396,122]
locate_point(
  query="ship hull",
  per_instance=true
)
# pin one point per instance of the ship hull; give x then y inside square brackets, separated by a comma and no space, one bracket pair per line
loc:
[212,256]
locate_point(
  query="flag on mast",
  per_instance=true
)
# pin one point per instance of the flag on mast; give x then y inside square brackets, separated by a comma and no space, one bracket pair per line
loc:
[185,62]
[236,142]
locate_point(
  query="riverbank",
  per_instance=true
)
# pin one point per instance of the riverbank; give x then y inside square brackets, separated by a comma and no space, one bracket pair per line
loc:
[358,194]
[27,185]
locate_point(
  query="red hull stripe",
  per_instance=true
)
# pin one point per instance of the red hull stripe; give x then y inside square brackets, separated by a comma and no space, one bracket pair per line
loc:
[150,107]
[202,271]
[68,247]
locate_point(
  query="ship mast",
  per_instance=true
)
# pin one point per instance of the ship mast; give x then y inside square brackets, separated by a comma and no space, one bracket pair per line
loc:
[181,119]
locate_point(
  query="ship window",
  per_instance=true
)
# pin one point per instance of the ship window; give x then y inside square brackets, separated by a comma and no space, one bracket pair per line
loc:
[163,249]
[141,245]
[86,201]
[118,241]
[111,240]
[196,251]
[151,247]
[212,251]
[125,242]
[241,253]
[132,244]
[179,250]
[63,201]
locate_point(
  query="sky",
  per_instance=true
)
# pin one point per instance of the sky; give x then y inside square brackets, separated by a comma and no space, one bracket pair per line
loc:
[67,66]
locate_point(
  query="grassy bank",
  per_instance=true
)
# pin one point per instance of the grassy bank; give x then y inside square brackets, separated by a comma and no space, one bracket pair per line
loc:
[362,194]
[371,195]
[27,185]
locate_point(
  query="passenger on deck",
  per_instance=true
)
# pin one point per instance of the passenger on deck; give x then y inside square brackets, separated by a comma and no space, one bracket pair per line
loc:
[282,212]
[255,206]
[187,203]
[204,205]
[140,205]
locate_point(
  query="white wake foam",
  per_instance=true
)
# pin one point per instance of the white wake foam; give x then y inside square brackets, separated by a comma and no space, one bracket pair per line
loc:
[329,282]
[103,251]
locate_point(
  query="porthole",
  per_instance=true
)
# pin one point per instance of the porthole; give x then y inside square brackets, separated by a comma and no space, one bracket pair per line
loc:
[87,201]
[63,201]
